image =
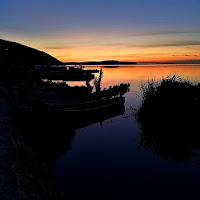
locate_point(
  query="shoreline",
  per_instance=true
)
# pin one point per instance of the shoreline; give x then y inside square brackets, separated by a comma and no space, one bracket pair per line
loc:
[25,172]
[8,184]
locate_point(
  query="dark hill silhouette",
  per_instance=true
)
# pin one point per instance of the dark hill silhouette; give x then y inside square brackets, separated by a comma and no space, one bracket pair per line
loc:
[15,53]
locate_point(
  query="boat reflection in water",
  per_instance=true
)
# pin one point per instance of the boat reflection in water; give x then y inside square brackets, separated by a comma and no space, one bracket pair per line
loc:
[41,140]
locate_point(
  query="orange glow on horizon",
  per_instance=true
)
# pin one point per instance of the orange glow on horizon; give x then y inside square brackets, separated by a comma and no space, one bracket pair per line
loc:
[121,46]
[99,53]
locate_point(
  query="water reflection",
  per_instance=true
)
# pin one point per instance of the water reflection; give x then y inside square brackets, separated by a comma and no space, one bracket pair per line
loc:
[101,163]
[105,162]
[53,135]
[39,142]
[171,140]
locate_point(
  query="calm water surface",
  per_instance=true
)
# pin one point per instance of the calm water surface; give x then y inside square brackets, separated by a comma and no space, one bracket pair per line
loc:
[106,160]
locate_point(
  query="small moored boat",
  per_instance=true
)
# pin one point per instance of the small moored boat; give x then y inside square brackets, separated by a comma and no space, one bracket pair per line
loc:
[98,106]
[65,89]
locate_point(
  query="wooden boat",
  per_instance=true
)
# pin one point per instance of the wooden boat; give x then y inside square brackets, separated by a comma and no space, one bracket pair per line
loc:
[55,122]
[96,103]
[68,73]
[97,106]
[64,89]
[92,112]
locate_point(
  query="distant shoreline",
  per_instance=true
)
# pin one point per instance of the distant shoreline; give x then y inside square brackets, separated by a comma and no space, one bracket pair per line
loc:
[100,63]
[113,65]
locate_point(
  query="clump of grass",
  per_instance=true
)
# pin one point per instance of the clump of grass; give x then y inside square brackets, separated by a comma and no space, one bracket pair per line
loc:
[169,118]
[170,97]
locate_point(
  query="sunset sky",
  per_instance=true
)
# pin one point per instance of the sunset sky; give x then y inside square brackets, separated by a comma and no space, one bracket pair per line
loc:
[87,30]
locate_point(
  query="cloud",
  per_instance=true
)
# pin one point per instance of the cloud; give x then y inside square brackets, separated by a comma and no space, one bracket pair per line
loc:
[133,55]
[190,61]
[186,55]
[121,56]
[154,45]
[54,48]
[58,56]
[170,44]
[160,33]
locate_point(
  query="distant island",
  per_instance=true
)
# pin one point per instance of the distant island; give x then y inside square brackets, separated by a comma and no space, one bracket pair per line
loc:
[105,62]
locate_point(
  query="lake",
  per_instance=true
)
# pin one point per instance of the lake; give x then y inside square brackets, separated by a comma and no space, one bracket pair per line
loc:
[107,161]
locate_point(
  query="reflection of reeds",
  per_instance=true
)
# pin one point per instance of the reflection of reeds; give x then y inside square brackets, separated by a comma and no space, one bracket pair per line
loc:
[169,117]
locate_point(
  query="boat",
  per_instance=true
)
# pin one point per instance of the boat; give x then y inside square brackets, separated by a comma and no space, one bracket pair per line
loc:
[93,102]
[72,73]
[92,112]
[64,89]
[98,106]
[54,121]
[50,98]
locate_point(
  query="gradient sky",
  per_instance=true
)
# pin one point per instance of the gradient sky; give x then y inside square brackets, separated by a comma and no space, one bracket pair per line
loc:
[83,30]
